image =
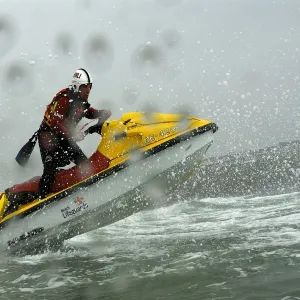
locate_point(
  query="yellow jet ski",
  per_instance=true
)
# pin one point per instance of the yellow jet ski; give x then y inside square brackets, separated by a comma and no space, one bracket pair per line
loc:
[132,150]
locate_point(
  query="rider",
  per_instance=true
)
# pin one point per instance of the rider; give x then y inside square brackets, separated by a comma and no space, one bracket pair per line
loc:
[57,138]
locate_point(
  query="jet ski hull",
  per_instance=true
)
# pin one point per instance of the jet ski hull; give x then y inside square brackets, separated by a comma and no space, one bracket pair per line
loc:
[83,210]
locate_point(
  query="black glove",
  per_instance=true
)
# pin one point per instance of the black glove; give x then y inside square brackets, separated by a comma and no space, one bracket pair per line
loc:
[95,128]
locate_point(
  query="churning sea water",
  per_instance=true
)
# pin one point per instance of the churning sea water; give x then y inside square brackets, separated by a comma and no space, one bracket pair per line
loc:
[221,247]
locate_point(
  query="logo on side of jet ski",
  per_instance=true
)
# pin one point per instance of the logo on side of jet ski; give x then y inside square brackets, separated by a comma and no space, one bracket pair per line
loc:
[162,133]
[68,212]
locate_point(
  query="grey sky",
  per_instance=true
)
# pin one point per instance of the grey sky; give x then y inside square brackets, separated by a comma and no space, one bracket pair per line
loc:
[235,62]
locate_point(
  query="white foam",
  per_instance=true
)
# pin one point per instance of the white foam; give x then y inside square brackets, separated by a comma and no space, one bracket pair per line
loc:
[246,223]
[41,258]
[25,277]
[241,272]
[217,284]
[261,221]
[53,283]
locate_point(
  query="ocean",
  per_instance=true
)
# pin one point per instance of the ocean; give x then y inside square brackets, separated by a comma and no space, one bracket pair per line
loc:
[229,230]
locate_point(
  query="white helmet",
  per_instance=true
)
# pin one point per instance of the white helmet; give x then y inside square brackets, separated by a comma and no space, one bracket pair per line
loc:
[80,77]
